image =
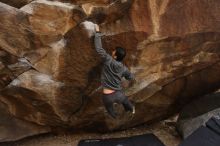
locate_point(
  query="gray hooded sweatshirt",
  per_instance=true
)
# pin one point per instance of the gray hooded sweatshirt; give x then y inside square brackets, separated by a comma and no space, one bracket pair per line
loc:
[113,71]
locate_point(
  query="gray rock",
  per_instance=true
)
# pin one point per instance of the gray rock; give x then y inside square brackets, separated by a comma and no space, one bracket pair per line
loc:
[198,113]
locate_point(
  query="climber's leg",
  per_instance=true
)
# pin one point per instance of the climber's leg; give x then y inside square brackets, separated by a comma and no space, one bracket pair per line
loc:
[128,106]
[121,98]
[108,103]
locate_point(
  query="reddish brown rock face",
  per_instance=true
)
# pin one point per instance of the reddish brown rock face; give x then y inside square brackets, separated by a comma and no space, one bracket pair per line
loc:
[204,17]
[50,72]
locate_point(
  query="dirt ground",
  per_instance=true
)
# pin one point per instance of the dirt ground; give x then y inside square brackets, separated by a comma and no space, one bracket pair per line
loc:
[164,130]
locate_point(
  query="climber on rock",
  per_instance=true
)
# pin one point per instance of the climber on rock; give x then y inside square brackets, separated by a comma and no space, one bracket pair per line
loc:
[111,77]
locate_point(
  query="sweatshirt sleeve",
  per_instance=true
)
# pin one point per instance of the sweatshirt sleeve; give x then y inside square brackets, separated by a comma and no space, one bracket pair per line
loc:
[98,47]
[128,75]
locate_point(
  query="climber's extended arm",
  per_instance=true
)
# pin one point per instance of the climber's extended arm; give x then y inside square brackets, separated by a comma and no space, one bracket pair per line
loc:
[98,44]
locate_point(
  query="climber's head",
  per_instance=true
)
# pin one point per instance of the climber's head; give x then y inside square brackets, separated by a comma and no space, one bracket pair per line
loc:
[119,53]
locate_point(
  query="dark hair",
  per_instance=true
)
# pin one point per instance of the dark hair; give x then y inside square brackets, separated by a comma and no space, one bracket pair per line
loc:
[120,53]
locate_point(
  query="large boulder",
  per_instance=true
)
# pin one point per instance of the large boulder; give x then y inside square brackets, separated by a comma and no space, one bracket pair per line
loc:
[27,35]
[173,62]
[198,113]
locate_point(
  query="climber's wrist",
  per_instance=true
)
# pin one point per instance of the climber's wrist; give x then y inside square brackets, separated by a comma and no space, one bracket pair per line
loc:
[97,30]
